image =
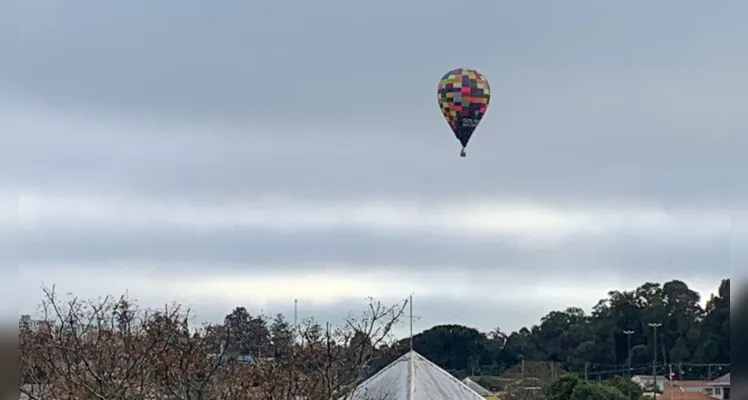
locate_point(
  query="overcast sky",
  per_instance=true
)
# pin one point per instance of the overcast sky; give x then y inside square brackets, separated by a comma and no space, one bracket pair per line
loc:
[253,152]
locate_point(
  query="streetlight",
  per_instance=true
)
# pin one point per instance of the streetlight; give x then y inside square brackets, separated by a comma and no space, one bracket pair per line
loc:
[654,326]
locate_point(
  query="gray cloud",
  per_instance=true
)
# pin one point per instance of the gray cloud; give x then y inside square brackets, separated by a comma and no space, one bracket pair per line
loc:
[69,155]
[246,250]
[739,245]
[593,103]
[262,60]
[596,105]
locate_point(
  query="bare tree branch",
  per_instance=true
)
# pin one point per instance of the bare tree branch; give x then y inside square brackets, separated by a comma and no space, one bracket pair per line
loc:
[108,348]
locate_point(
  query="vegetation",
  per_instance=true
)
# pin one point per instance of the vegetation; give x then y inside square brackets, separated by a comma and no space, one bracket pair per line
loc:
[111,348]
[571,387]
[694,340]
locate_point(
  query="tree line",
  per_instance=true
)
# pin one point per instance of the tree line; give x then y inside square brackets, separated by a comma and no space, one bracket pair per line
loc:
[616,337]
[112,348]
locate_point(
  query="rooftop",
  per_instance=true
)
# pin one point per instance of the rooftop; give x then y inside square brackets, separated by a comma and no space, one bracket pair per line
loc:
[413,372]
[722,380]
[688,384]
[674,394]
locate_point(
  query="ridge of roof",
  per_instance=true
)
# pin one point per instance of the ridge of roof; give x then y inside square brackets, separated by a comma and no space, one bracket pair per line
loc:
[444,373]
[431,374]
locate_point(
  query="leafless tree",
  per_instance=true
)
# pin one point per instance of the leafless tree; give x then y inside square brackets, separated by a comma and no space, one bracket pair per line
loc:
[109,348]
[325,362]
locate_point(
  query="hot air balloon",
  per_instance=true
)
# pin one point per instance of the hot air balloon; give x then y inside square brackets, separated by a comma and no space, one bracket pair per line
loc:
[463,96]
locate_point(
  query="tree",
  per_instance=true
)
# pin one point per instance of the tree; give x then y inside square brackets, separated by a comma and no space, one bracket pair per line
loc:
[281,335]
[624,385]
[109,348]
[563,388]
[570,387]
[596,391]
[595,342]
[714,338]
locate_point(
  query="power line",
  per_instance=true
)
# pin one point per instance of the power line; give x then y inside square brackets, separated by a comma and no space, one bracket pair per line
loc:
[686,364]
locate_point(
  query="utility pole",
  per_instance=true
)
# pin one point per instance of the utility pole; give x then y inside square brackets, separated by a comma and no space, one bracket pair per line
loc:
[628,334]
[586,365]
[553,370]
[654,326]
[628,349]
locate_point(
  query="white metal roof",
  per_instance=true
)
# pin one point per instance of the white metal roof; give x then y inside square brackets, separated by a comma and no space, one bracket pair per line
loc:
[476,387]
[723,380]
[413,377]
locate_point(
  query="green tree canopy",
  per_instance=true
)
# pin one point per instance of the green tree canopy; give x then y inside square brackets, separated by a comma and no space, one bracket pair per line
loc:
[603,342]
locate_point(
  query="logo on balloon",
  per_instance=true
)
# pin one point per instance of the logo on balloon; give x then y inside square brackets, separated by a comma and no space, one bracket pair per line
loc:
[470,122]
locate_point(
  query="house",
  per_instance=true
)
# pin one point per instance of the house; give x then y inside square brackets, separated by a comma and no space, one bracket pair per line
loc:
[646,382]
[688,386]
[528,377]
[413,377]
[719,388]
[33,325]
[672,392]
[542,371]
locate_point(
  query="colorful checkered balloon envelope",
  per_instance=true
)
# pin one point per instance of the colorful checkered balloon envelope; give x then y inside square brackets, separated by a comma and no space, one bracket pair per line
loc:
[463,96]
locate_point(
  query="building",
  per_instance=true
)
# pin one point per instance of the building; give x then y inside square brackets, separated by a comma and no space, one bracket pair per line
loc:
[719,388]
[413,377]
[688,386]
[677,393]
[527,379]
[684,390]
[33,325]
[49,326]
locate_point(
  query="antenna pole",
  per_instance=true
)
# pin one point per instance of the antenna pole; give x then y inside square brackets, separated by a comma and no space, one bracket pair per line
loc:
[411,360]
[296,313]
[411,322]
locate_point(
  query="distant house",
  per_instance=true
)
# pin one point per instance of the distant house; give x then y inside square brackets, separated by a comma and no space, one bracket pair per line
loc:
[688,386]
[647,382]
[542,371]
[678,393]
[25,322]
[719,388]
[527,379]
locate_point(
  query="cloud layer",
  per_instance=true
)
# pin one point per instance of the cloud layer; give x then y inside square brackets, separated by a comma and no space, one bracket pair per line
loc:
[261,152]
